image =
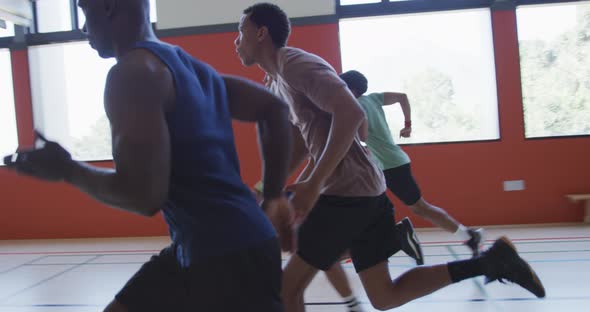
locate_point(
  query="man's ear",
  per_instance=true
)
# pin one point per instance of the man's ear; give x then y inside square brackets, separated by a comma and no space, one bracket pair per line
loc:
[262,33]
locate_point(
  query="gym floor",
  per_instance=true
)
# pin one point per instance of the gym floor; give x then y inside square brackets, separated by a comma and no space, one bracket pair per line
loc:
[83,275]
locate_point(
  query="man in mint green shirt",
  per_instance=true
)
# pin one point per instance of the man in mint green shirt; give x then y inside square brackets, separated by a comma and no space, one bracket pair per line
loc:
[395,163]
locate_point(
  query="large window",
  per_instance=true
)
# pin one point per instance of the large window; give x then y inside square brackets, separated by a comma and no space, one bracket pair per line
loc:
[8,137]
[445,63]
[67,82]
[554,45]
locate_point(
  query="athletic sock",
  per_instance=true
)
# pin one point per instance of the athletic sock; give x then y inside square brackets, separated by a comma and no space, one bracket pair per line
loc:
[464,269]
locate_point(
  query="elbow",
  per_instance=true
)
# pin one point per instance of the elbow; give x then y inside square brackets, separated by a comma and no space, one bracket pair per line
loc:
[405,100]
[149,209]
[149,206]
[141,195]
[363,136]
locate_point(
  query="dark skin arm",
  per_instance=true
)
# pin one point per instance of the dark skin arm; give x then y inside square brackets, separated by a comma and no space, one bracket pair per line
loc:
[138,91]
[252,103]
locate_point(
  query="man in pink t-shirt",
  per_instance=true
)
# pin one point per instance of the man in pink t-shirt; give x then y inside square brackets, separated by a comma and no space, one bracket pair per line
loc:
[340,196]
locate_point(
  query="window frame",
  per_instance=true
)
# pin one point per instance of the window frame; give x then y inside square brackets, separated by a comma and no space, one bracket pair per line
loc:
[529,2]
[385,7]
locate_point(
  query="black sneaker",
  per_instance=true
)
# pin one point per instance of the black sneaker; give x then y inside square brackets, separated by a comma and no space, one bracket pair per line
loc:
[504,263]
[409,240]
[475,243]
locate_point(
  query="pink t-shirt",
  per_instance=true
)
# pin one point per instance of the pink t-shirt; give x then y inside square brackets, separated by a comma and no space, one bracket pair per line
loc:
[306,82]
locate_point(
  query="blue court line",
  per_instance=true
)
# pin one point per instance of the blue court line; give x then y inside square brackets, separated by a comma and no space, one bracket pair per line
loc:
[559,261]
[53,306]
[515,241]
[394,256]
[21,265]
[547,242]
[520,252]
[532,298]
[48,279]
[407,266]
[475,300]
[70,256]
[98,254]
[98,263]
[345,265]
[419,301]
[448,247]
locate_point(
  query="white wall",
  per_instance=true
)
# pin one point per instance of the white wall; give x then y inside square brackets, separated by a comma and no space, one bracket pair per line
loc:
[189,13]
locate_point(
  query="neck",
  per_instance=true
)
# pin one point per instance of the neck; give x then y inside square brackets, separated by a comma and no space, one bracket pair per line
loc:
[268,62]
[127,41]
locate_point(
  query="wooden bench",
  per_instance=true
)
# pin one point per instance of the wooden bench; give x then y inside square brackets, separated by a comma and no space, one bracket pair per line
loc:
[582,197]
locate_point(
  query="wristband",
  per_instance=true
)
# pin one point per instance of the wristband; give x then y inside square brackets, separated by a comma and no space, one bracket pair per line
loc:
[408,124]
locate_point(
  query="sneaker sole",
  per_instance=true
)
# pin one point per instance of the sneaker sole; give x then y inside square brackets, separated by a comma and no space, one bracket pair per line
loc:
[535,276]
[413,241]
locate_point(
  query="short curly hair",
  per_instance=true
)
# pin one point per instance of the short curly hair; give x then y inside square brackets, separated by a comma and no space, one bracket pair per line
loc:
[355,81]
[274,18]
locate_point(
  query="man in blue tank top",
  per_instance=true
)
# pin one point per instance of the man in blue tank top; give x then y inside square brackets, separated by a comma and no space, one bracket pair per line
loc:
[173,150]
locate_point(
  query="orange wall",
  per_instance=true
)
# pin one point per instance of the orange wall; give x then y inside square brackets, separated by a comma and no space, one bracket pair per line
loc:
[464,178]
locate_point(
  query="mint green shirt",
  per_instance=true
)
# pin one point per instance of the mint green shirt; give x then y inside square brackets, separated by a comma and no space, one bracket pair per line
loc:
[380,142]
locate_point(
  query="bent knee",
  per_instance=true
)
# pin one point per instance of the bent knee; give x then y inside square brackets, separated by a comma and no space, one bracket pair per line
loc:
[380,303]
[420,208]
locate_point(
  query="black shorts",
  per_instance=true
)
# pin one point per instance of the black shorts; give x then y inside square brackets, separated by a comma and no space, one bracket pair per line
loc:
[248,280]
[402,184]
[363,225]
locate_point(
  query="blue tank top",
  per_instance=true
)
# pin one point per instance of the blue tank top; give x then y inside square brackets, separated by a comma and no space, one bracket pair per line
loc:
[209,210]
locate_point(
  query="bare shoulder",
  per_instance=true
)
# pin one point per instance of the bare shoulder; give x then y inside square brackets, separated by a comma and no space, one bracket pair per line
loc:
[141,65]
[140,75]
